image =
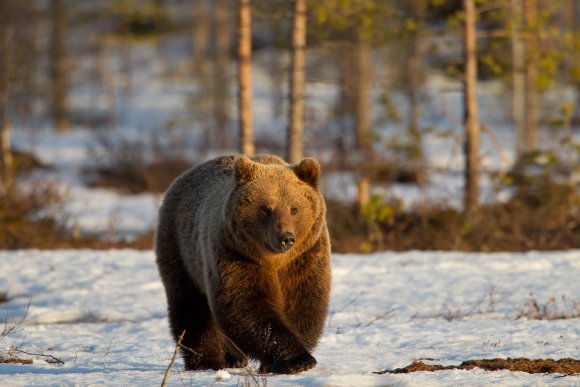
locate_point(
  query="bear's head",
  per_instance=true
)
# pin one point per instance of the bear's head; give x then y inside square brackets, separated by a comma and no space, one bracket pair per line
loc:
[275,208]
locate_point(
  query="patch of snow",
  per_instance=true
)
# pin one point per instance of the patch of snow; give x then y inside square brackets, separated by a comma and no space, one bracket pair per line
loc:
[104,314]
[222,375]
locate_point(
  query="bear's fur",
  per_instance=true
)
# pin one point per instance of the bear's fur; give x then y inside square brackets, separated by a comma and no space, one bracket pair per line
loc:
[244,254]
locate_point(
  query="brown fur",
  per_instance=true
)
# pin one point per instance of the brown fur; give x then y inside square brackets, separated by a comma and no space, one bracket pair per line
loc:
[244,254]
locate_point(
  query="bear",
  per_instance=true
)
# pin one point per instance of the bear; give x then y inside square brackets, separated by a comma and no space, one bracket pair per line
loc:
[243,252]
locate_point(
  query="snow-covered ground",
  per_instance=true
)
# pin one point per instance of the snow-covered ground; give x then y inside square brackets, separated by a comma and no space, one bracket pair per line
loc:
[103,314]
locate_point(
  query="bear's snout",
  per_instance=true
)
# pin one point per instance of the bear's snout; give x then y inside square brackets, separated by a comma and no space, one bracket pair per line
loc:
[286,240]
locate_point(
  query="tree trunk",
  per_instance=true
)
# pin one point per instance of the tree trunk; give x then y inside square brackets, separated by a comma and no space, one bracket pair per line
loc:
[245,77]
[59,66]
[221,73]
[347,81]
[414,79]
[518,77]
[362,193]
[531,75]
[107,81]
[363,116]
[203,106]
[297,80]
[200,30]
[5,70]
[126,69]
[471,198]
[6,164]
[363,97]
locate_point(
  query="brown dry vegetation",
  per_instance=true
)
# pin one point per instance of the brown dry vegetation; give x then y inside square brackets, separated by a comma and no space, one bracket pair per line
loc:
[18,360]
[135,167]
[543,215]
[30,219]
[136,178]
[544,218]
[552,309]
[565,366]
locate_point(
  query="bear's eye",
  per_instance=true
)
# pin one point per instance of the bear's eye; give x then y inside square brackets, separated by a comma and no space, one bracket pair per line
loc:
[293,210]
[265,210]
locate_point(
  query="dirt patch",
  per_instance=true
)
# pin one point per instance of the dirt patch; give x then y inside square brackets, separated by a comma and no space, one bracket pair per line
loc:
[565,366]
[14,360]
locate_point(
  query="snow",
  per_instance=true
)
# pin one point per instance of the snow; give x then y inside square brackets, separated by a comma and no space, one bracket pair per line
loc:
[104,314]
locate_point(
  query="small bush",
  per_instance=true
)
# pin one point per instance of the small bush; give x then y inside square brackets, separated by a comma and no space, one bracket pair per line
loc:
[552,309]
[135,166]
[25,162]
[29,219]
[22,223]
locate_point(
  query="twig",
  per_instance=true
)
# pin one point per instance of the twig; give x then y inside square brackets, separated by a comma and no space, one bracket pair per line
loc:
[379,317]
[332,313]
[54,359]
[494,140]
[173,359]
[12,327]
[188,349]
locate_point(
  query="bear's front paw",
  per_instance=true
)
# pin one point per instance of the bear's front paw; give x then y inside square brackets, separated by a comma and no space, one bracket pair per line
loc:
[292,366]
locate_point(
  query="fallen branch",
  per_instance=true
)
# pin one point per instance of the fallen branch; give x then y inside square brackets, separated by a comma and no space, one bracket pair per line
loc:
[177,346]
[52,359]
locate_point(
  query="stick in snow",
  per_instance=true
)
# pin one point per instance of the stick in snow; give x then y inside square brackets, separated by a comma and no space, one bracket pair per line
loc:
[173,359]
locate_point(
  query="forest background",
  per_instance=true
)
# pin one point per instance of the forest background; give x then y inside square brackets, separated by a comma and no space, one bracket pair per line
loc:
[370,88]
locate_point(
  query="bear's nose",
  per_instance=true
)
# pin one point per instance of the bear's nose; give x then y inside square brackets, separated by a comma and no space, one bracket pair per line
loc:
[286,240]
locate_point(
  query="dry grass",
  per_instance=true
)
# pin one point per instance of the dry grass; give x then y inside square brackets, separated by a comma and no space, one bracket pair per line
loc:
[552,309]
[33,218]
[24,220]
[134,166]
[10,327]
[542,218]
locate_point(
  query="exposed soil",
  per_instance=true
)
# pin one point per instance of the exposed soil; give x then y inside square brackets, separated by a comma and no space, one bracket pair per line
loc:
[12,360]
[565,366]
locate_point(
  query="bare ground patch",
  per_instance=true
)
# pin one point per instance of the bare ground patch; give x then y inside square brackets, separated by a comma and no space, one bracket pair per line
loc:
[565,366]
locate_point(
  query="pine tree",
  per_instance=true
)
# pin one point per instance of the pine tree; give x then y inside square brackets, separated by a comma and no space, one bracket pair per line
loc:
[245,77]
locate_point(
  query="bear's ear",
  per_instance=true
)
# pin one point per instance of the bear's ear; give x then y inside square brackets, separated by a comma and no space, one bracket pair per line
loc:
[308,170]
[245,170]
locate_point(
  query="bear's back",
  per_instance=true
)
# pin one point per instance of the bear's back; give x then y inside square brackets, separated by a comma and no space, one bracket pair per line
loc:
[213,177]
[192,209]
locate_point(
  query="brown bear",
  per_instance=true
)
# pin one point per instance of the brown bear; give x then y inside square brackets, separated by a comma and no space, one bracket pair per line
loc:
[244,254]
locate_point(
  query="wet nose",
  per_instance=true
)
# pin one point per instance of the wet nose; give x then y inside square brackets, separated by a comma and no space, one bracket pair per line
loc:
[286,240]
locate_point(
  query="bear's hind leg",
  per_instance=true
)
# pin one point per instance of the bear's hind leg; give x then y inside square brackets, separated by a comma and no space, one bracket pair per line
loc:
[235,357]
[206,346]
[188,310]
